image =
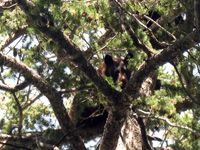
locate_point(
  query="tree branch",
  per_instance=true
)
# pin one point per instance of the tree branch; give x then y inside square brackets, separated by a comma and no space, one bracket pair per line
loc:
[116,6]
[168,122]
[62,91]
[20,114]
[197,14]
[150,65]
[163,44]
[13,36]
[144,134]
[186,91]
[28,103]
[51,93]
[102,42]
[112,129]
[8,5]
[170,34]
[14,89]
[15,146]
[71,52]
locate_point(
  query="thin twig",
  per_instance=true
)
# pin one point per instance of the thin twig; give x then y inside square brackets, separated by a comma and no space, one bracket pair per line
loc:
[143,25]
[170,34]
[167,121]
[28,103]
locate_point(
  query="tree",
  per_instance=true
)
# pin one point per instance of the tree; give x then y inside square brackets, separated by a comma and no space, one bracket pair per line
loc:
[51,51]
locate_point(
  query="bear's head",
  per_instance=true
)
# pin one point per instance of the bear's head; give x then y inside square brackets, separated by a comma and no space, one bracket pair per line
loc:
[116,68]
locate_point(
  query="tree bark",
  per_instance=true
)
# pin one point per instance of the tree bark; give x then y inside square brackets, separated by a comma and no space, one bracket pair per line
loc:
[130,135]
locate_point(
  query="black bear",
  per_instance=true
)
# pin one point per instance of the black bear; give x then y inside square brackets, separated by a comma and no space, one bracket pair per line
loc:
[116,68]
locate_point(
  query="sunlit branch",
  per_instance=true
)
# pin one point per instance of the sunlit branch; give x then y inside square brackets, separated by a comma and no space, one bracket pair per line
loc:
[8,5]
[63,91]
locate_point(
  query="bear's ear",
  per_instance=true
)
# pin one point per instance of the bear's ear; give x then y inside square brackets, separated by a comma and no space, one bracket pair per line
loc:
[128,56]
[108,60]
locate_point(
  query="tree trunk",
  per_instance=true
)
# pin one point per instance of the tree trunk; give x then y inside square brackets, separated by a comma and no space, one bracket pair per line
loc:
[130,137]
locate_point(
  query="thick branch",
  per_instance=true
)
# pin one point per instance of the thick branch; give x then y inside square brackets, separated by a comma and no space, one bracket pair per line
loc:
[72,52]
[150,65]
[52,95]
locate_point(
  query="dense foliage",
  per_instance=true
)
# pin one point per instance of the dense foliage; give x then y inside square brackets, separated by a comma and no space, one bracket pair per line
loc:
[145,28]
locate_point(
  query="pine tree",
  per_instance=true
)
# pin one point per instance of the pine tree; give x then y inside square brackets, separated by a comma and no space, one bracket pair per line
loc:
[54,94]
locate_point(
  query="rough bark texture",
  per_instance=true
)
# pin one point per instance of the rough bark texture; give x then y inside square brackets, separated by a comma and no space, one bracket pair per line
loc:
[130,137]
[53,96]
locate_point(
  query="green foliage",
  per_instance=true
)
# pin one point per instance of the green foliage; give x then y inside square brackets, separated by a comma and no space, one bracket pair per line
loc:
[84,22]
[111,82]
